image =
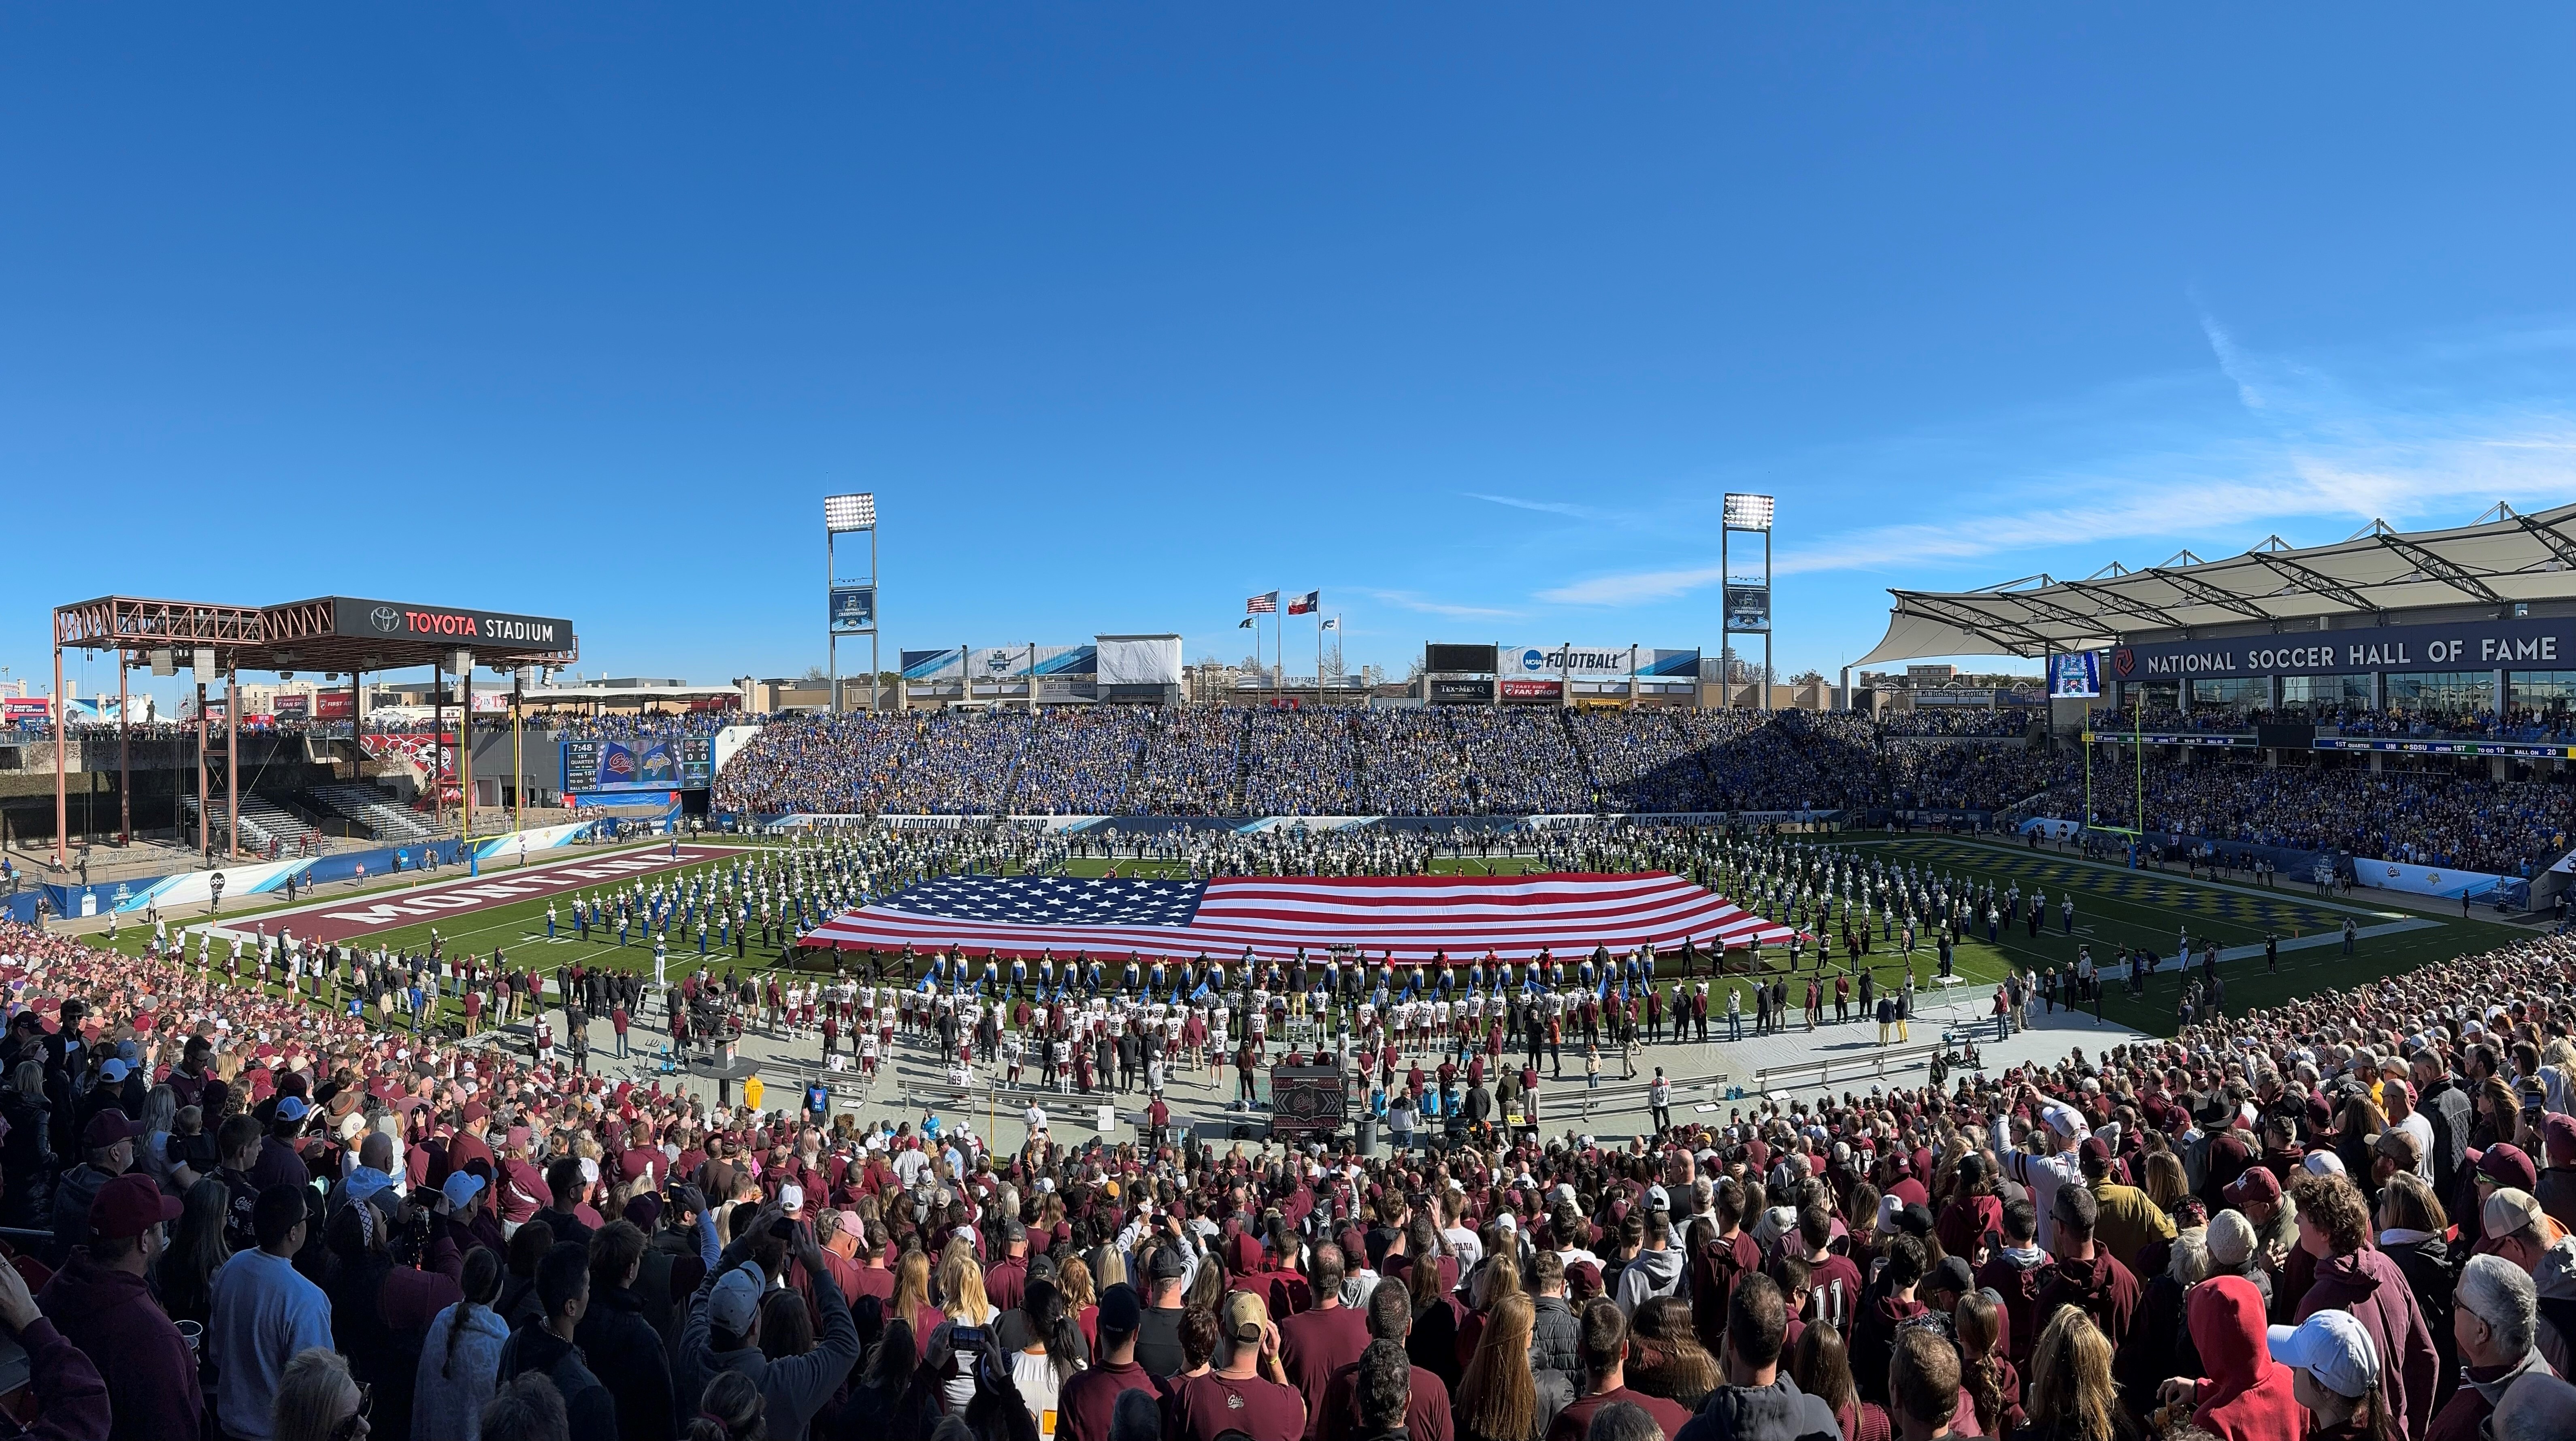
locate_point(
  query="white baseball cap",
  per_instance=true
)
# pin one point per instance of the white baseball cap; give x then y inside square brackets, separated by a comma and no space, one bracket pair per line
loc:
[2332,1347]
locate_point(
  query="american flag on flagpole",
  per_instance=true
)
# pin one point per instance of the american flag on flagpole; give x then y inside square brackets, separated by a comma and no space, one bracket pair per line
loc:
[1262,604]
[1413,918]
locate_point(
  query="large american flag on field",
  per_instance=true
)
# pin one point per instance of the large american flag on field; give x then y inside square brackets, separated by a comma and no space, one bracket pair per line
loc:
[1413,917]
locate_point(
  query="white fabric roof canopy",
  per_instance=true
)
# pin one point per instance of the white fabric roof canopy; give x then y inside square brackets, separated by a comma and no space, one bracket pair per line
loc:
[2494,562]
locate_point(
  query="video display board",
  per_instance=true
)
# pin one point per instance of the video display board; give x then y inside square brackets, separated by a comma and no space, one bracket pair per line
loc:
[660,763]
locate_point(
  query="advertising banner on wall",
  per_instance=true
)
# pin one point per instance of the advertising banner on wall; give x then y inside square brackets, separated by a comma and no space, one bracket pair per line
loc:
[1532,690]
[331,705]
[421,750]
[1584,663]
[1464,692]
[465,628]
[2529,643]
[947,664]
[1014,662]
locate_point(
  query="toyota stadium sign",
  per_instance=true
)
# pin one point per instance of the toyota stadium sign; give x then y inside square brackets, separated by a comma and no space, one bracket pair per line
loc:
[397,621]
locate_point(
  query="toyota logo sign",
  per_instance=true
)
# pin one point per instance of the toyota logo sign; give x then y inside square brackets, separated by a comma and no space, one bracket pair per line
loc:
[385,618]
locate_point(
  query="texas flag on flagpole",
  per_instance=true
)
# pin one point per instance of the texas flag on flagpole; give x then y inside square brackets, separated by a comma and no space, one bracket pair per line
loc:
[1262,604]
[1306,604]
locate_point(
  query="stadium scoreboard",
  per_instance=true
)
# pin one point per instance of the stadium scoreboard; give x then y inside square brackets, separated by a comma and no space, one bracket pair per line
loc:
[661,764]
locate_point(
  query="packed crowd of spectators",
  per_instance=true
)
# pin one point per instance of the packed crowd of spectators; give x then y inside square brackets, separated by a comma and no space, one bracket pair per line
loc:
[2430,818]
[2351,1216]
[1203,761]
[2522,723]
[1988,721]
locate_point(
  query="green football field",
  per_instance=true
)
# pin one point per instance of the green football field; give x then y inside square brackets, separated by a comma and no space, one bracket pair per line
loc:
[516,928]
[2118,910]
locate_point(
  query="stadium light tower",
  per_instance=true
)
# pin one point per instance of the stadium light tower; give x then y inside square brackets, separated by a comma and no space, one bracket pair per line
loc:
[1748,602]
[853,607]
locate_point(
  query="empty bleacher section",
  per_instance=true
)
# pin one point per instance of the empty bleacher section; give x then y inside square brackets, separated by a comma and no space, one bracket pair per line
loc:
[267,828]
[370,809]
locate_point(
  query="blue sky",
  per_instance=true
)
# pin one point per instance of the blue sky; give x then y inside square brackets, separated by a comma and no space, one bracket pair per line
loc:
[1466,315]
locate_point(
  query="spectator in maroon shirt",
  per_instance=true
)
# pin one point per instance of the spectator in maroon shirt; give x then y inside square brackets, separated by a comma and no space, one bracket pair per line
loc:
[2086,1276]
[1318,1342]
[1088,1401]
[1426,1416]
[1245,1390]
[1604,1352]
[1009,1277]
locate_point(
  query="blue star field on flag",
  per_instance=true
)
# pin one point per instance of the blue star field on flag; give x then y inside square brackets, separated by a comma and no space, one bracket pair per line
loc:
[1054,900]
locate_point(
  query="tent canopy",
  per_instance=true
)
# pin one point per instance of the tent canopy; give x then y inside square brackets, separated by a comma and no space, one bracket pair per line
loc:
[2494,562]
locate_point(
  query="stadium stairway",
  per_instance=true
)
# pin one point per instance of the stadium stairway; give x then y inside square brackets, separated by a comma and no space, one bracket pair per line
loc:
[1242,767]
[1582,755]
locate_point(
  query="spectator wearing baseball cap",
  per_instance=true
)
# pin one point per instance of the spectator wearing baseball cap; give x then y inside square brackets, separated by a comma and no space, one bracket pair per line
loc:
[1158,1344]
[1086,1402]
[265,1312]
[1246,1389]
[280,1163]
[103,1304]
[1008,1278]
[722,1332]
[107,1146]
[2334,1372]
[2130,1220]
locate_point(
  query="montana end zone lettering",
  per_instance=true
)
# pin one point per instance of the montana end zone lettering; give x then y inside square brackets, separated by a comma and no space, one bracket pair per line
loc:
[339,920]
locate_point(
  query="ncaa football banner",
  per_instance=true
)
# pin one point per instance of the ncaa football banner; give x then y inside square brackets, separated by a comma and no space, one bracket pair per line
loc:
[1596,664]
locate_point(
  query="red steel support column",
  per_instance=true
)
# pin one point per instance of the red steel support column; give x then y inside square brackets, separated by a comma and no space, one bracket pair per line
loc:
[205,818]
[124,759]
[232,758]
[62,801]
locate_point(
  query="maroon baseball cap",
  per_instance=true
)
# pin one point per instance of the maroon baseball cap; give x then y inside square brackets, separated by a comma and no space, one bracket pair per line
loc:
[129,1206]
[2505,1164]
[2257,1184]
[109,1127]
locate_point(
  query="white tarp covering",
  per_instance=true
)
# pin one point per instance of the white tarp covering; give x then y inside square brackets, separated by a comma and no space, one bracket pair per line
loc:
[2421,880]
[1140,659]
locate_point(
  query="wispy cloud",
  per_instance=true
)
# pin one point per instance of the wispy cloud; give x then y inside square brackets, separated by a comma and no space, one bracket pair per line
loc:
[1544,507]
[2302,443]
[1410,600]
[1634,588]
